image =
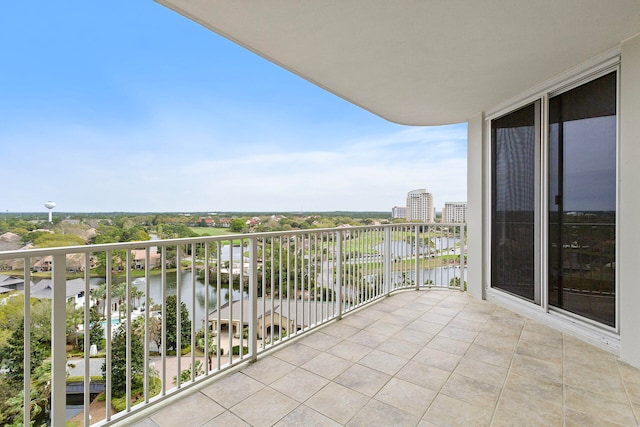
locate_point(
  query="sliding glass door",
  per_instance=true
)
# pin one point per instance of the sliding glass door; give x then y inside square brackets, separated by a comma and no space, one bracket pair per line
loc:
[582,200]
[579,123]
[515,141]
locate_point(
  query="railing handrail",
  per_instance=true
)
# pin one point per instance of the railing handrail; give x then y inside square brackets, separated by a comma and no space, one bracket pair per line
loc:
[142,244]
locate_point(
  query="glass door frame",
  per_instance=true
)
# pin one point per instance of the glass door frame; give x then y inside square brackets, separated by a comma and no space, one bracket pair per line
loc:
[542,94]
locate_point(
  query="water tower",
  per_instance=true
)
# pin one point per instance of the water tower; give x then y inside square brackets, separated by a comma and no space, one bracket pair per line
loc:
[50,205]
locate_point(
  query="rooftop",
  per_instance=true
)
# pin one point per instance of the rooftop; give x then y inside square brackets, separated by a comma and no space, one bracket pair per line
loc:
[419,358]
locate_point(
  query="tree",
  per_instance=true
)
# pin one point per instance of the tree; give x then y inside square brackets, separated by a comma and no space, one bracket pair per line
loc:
[75,316]
[96,330]
[13,355]
[185,324]
[155,330]
[237,225]
[119,358]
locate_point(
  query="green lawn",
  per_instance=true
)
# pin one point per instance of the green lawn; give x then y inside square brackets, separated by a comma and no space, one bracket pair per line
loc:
[212,231]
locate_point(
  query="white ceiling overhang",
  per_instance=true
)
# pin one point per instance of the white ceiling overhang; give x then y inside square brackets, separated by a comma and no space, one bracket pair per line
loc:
[421,62]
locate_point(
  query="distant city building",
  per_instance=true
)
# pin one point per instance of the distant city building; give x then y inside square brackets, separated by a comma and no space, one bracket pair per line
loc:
[420,206]
[454,212]
[399,212]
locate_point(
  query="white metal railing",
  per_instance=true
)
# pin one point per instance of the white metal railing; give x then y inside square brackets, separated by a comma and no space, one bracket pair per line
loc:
[235,297]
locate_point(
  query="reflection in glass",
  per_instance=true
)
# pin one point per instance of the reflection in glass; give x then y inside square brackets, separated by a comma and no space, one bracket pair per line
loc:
[582,200]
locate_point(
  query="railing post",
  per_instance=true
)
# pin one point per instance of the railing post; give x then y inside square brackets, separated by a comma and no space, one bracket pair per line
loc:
[58,341]
[338,265]
[253,298]
[387,259]
[462,234]
[416,258]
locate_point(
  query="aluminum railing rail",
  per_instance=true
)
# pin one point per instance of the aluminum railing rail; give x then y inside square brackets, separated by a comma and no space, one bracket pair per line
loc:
[235,297]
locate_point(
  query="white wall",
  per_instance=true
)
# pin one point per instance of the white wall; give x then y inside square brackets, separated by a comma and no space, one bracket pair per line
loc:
[629,197]
[475,206]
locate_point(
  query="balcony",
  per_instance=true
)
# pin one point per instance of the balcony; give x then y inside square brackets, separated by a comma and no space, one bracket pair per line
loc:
[359,325]
[428,358]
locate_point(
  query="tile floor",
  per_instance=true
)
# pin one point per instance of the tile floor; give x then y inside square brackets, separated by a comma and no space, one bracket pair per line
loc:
[427,358]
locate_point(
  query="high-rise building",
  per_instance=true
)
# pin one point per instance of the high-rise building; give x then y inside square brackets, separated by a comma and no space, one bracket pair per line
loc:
[420,206]
[399,212]
[454,212]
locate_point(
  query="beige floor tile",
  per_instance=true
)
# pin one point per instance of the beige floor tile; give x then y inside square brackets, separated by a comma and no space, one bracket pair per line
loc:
[357,321]
[633,390]
[536,386]
[448,345]
[437,358]
[540,334]
[481,371]
[516,408]
[264,408]
[399,347]
[506,326]
[496,340]
[368,338]
[340,330]
[412,313]
[297,354]
[459,334]
[300,384]
[320,341]
[226,419]
[337,402]
[363,379]
[444,311]
[490,355]
[146,422]
[447,411]
[539,351]
[435,318]
[396,319]
[467,324]
[580,419]
[383,328]
[232,389]
[471,391]
[628,373]
[327,365]
[350,350]
[407,396]
[425,326]
[268,370]
[606,381]
[307,417]
[423,375]
[528,365]
[197,408]
[597,405]
[418,306]
[413,336]
[376,413]
[384,362]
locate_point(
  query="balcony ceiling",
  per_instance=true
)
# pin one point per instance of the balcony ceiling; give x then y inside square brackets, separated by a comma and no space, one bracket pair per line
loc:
[425,62]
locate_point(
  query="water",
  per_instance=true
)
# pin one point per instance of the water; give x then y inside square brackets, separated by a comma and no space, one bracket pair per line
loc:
[187,290]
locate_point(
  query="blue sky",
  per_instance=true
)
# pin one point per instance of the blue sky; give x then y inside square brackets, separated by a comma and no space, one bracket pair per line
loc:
[128,106]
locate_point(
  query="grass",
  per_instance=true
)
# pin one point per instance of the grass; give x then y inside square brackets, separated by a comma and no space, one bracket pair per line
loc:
[212,231]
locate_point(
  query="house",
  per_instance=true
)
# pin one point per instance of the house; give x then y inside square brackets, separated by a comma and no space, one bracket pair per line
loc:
[550,92]
[140,256]
[274,316]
